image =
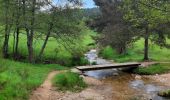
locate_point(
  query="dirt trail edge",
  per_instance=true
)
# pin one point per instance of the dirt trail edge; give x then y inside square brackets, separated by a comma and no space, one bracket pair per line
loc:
[96,90]
[44,92]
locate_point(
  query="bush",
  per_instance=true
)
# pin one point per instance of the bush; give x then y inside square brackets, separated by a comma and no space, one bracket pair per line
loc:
[79,61]
[94,63]
[108,53]
[153,69]
[64,58]
[69,81]
[164,93]
[67,59]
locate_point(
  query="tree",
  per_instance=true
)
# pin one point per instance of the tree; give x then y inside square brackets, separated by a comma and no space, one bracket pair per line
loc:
[57,25]
[17,16]
[8,22]
[116,32]
[146,16]
[37,18]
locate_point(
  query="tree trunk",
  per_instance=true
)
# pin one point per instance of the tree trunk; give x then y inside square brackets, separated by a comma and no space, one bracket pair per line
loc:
[5,45]
[7,30]
[31,34]
[18,2]
[30,49]
[146,48]
[17,42]
[14,38]
[45,42]
[121,49]
[48,35]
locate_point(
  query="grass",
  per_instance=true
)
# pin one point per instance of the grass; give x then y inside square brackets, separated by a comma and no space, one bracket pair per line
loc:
[69,81]
[136,51]
[153,69]
[18,80]
[55,52]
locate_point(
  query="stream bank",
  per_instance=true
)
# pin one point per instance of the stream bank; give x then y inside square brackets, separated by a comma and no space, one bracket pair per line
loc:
[127,86]
[112,84]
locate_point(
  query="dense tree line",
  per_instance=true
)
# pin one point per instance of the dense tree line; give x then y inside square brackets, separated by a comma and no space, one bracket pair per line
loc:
[120,22]
[124,21]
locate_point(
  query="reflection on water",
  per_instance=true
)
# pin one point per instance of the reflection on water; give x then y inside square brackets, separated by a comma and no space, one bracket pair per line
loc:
[125,85]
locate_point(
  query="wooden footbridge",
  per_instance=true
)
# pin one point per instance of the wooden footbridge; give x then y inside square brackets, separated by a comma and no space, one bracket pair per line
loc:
[108,66]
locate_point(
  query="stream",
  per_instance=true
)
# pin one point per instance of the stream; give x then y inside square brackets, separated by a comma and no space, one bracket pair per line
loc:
[126,86]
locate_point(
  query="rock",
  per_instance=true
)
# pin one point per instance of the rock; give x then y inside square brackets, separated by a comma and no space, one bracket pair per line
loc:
[115,74]
[138,77]
[74,70]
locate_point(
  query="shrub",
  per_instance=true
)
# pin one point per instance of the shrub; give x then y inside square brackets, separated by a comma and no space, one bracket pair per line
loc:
[79,61]
[164,93]
[64,58]
[94,63]
[107,52]
[153,69]
[69,81]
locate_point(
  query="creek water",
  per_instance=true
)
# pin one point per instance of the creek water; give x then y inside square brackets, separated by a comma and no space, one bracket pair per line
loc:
[126,86]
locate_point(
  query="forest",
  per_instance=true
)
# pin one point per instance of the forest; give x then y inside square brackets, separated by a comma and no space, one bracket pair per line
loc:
[43,41]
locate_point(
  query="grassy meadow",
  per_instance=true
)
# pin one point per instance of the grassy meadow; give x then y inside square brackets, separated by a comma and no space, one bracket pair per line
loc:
[56,51]
[136,51]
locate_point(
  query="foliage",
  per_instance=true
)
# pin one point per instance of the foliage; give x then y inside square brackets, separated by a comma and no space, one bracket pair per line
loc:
[94,63]
[55,21]
[153,69]
[164,93]
[90,13]
[116,32]
[18,80]
[69,81]
[79,61]
[55,52]
[144,15]
[107,52]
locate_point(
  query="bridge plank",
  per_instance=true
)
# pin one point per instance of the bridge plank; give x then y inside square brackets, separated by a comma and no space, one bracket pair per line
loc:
[108,66]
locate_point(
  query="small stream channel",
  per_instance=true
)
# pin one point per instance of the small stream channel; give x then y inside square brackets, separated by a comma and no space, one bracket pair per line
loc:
[126,86]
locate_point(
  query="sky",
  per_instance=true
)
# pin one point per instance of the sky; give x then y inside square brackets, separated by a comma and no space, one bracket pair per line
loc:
[86,3]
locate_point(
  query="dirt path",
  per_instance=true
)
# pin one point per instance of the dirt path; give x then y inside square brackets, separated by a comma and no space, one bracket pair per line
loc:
[45,91]
[96,91]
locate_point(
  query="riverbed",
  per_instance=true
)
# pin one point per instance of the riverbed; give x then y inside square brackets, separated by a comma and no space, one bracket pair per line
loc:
[127,86]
